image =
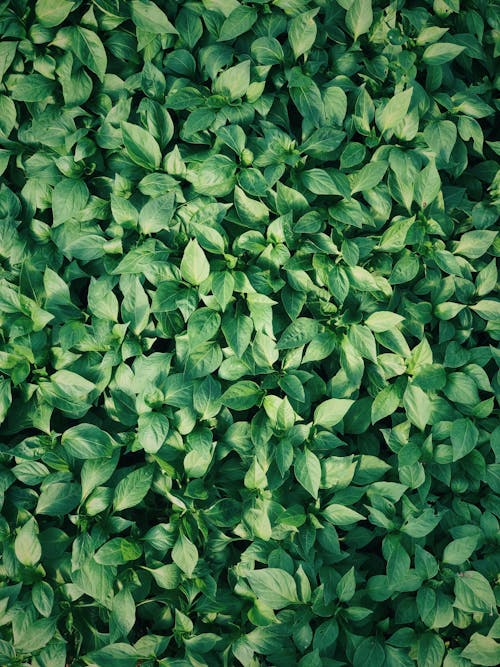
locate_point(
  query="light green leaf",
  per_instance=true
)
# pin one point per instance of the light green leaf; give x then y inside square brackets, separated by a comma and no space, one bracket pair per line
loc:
[149,17]
[185,555]
[308,471]
[394,111]
[27,546]
[132,489]
[341,515]
[302,32]
[459,550]
[464,437]
[417,406]
[359,18]
[441,53]
[427,185]
[52,12]
[142,148]
[383,320]
[274,586]
[86,441]
[234,81]
[194,264]
[331,412]
[482,650]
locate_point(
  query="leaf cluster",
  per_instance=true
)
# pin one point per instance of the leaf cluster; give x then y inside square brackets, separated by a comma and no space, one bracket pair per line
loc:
[249,324]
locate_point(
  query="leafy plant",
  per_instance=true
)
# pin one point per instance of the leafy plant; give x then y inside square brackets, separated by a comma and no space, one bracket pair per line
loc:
[249,325]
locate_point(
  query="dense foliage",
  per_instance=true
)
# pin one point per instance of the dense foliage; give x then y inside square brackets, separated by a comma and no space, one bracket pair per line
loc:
[249,328]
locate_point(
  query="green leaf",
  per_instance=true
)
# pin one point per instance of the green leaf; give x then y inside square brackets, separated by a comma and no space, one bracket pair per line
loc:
[417,406]
[430,651]
[194,264]
[385,403]
[267,51]
[118,551]
[152,431]
[482,650]
[459,550]
[340,515]
[185,555]
[42,597]
[68,199]
[149,17]
[331,412]
[141,147]
[321,182]
[368,177]
[464,437]
[441,137]
[132,489]
[167,576]
[215,176]
[58,499]
[113,655]
[27,545]
[87,47]
[439,54]
[274,586]
[359,18]
[32,88]
[473,592]
[298,333]
[69,392]
[302,32]
[86,441]
[52,12]
[156,214]
[488,309]
[222,288]
[383,320]
[5,398]
[346,586]
[427,185]
[238,332]
[308,471]
[234,81]
[394,110]
[237,23]
[101,300]
[35,636]
[242,395]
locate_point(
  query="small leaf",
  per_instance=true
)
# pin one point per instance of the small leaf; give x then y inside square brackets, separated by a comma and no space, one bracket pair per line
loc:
[417,406]
[383,320]
[340,515]
[86,441]
[394,111]
[359,18]
[149,17]
[27,545]
[331,412]
[194,264]
[185,555]
[346,586]
[132,489]
[459,550]
[308,471]
[142,148]
[274,586]
[302,32]
[443,52]
[464,437]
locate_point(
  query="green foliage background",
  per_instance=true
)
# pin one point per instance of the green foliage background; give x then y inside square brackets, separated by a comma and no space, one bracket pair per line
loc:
[248,333]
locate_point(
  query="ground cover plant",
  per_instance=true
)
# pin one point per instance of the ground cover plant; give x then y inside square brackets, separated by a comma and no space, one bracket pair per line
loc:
[248,333]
